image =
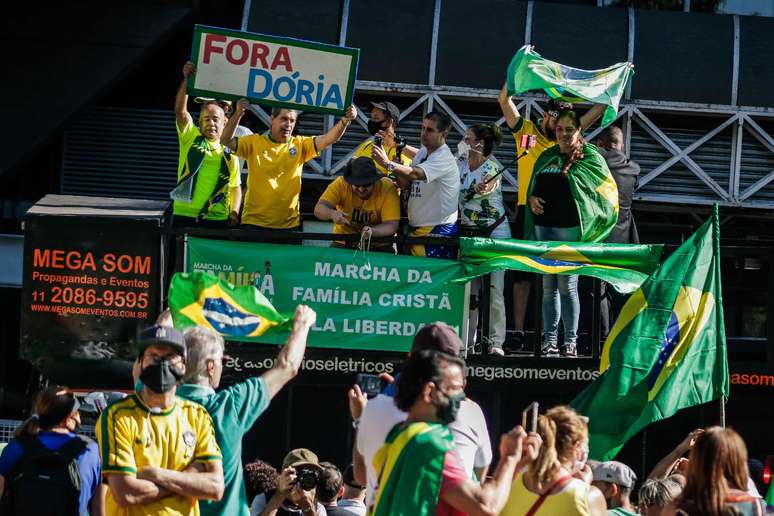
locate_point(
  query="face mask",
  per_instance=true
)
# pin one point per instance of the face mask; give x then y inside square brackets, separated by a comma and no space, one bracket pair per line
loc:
[161,377]
[463,149]
[447,412]
[374,127]
[580,463]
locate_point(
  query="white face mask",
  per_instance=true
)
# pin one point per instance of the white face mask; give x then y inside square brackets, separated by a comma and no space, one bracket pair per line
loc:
[463,149]
[580,463]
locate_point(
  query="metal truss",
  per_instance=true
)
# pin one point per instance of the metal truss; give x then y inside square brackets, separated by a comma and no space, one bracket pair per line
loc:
[637,114]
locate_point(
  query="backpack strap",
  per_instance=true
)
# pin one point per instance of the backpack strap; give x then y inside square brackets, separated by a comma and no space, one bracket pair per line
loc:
[556,486]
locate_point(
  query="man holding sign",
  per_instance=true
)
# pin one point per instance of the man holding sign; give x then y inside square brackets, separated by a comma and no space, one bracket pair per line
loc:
[208,189]
[274,163]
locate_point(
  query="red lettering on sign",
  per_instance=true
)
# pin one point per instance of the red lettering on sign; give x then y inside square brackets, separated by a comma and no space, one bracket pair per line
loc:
[41,258]
[282,58]
[209,46]
[260,52]
[243,51]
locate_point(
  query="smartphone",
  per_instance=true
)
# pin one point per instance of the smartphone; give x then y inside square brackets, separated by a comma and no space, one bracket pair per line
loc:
[370,384]
[529,417]
[378,140]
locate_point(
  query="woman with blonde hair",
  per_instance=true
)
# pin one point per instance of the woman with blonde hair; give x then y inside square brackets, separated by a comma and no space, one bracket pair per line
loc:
[549,485]
[717,477]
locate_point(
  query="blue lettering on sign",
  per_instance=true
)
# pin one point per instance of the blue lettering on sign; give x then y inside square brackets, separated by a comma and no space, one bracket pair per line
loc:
[291,88]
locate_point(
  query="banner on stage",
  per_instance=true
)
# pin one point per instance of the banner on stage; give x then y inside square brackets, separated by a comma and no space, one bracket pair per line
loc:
[272,70]
[377,304]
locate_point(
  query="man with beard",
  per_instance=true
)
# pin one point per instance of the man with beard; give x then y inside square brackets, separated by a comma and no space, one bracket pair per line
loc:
[384,124]
[420,474]
[159,453]
[544,134]
[361,201]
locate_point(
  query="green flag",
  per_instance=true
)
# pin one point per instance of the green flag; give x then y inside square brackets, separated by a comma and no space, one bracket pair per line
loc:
[770,494]
[624,266]
[201,299]
[528,71]
[666,351]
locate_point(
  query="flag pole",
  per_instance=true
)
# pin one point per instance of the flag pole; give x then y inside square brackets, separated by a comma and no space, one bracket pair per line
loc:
[723,411]
[716,250]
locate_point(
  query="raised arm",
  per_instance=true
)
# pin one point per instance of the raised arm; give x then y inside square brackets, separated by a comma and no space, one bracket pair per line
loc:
[227,137]
[181,98]
[202,480]
[404,173]
[508,107]
[665,465]
[591,116]
[334,133]
[292,354]
[129,490]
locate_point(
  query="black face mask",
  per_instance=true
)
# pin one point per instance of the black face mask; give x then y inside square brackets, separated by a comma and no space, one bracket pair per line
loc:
[374,127]
[447,412]
[161,377]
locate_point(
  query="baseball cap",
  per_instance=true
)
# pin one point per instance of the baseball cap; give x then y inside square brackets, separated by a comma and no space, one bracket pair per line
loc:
[389,108]
[361,172]
[437,336]
[161,335]
[301,457]
[614,472]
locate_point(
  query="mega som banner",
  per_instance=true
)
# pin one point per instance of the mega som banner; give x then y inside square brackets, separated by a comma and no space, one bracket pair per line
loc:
[271,70]
[373,303]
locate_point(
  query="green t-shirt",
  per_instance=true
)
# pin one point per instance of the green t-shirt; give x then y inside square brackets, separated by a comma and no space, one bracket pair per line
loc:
[233,411]
[620,512]
[207,176]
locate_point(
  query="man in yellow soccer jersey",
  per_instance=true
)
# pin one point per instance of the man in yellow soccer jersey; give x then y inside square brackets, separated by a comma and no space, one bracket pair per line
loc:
[362,201]
[159,453]
[383,125]
[274,163]
[208,192]
[545,136]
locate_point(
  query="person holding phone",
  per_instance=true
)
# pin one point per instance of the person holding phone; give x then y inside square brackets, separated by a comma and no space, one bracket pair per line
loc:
[549,485]
[296,493]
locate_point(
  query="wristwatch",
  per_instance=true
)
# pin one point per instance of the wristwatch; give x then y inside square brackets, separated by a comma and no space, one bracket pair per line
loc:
[390,167]
[355,423]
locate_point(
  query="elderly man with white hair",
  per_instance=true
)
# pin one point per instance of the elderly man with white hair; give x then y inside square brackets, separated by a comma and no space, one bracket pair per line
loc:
[235,409]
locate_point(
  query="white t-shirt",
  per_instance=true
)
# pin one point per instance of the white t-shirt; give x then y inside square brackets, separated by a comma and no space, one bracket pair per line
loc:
[471,436]
[434,202]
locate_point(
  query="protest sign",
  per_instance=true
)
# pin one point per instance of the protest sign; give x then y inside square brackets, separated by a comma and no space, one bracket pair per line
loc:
[374,305]
[273,71]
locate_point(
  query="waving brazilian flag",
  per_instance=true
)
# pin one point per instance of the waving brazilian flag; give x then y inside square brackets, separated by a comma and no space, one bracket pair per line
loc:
[528,71]
[410,469]
[666,351]
[624,266]
[201,299]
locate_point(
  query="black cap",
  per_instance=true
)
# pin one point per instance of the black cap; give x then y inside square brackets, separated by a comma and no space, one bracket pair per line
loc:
[162,335]
[389,108]
[361,172]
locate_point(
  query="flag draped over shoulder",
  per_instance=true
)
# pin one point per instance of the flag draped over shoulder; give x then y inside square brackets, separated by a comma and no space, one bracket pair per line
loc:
[528,71]
[666,351]
[410,467]
[199,298]
[593,189]
[624,266]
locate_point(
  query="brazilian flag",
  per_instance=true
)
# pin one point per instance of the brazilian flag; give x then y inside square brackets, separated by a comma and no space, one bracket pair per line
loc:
[410,466]
[624,266]
[666,351]
[201,299]
[529,71]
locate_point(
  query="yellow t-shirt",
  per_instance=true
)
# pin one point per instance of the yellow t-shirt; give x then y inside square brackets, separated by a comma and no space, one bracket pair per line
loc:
[206,178]
[527,163]
[572,500]
[364,149]
[382,206]
[131,438]
[274,179]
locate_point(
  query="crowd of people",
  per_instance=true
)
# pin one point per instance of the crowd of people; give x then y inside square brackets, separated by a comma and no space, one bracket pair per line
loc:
[422,447]
[390,187]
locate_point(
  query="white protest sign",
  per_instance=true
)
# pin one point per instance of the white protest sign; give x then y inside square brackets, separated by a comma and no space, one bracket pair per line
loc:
[271,70]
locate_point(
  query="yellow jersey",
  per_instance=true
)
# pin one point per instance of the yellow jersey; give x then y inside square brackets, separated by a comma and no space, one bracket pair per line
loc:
[131,438]
[572,500]
[527,163]
[274,179]
[364,150]
[382,206]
